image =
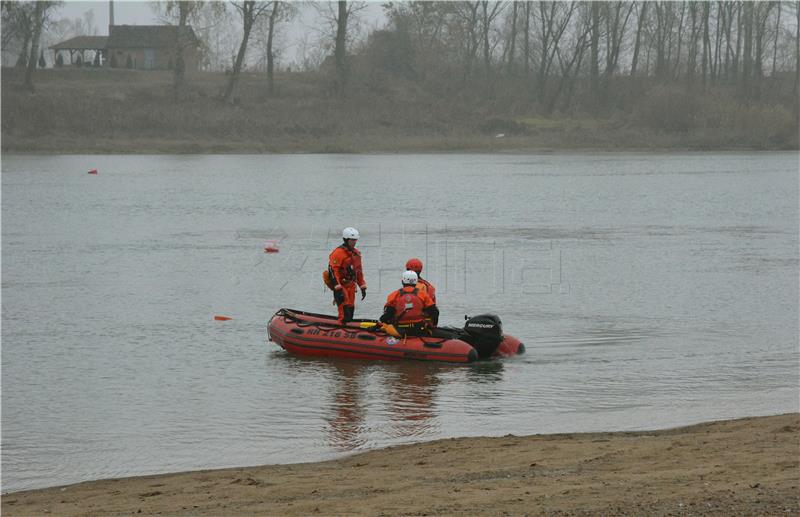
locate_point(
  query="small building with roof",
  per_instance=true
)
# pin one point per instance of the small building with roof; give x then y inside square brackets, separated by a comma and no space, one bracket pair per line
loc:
[141,47]
[150,47]
[79,49]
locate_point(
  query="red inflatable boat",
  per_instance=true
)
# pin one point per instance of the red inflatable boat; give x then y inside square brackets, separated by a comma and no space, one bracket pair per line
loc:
[305,333]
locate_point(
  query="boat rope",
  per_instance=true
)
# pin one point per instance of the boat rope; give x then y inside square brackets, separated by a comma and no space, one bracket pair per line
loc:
[289,316]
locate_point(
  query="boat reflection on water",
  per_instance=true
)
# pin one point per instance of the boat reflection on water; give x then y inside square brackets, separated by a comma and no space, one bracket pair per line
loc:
[411,402]
[366,404]
[346,413]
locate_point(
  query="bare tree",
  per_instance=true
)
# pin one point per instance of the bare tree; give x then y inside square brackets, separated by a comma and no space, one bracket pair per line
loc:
[184,8]
[340,49]
[594,69]
[667,14]
[716,65]
[640,23]
[486,23]
[554,20]
[726,10]
[427,26]
[17,29]
[512,39]
[341,22]
[276,8]
[797,54]
[267,33]
[691,65]
[10,29]
[527,37]
[676,67]
[41,15]
[762,13]
[217,35]
[706,43]
[747,69]
[616,18]
[181,13]
[466,14]
[775,44]
[571,64]
[250,11]
[270,39]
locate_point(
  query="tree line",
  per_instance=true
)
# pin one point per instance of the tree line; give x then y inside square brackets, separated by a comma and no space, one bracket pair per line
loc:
[550,51]
[549,46]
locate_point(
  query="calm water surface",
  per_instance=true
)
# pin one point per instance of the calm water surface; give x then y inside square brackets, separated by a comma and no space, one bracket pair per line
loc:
[651,291]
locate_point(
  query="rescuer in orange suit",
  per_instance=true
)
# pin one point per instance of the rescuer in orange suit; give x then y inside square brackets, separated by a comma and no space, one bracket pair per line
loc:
[344,270]
[410,309]
[415,265]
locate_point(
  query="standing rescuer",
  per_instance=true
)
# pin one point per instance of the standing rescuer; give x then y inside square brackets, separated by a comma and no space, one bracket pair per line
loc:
[410,308]
[415,265]
[344,273]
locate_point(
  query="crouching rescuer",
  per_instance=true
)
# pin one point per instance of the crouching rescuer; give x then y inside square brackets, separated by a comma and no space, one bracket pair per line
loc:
[410,309]
[344,273]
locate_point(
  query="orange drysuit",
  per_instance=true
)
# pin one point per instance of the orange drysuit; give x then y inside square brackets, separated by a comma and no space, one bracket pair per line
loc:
[344,266]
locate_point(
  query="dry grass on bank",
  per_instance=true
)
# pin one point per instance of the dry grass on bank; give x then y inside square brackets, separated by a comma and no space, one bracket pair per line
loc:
[129,111]
[739,467]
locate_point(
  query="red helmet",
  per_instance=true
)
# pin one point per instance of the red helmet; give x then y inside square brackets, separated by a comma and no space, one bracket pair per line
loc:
[415,265]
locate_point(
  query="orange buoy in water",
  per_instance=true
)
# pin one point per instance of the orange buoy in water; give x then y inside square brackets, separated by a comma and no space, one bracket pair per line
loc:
[222,318]
[92,171]
[271,247]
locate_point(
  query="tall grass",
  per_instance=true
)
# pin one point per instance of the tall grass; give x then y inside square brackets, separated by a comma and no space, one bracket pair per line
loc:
[91,110]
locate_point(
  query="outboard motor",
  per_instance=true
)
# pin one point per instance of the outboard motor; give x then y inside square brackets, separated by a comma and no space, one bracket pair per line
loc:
[484,332]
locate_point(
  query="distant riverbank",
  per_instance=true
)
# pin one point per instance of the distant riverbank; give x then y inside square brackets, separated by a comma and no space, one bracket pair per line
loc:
[747,466]
[343,145]
[103,111]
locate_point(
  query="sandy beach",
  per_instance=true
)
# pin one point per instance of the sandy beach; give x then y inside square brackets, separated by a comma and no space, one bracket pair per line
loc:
[738,467]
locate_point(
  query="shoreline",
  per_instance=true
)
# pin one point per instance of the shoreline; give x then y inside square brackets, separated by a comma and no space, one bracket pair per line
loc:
[400,146]
[742,466]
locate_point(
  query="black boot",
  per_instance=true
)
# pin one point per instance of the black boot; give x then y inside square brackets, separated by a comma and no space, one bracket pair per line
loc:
[348,313]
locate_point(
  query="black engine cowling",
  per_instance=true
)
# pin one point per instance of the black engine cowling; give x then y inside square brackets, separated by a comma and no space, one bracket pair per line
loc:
[485,333]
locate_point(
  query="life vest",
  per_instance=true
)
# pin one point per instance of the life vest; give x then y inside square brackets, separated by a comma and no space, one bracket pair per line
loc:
[347,265]
[408,306]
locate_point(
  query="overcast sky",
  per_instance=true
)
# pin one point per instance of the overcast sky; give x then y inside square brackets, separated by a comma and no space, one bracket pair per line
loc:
[131,13]
[140,13]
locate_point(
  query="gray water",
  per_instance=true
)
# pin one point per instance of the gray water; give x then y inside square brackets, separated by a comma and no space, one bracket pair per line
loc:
[651,291]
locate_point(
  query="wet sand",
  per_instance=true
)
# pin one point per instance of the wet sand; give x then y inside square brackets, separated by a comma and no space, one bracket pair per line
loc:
[739,467]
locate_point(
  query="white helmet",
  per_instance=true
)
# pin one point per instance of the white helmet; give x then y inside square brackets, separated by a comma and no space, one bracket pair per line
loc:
[410,278]
[349,233]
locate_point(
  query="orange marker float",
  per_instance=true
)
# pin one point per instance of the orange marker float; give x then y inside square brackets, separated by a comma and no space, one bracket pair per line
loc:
[271,247]
[222,318]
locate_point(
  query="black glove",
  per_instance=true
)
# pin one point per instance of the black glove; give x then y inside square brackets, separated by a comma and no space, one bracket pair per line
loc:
[338,296]
[432,313]
[363,292]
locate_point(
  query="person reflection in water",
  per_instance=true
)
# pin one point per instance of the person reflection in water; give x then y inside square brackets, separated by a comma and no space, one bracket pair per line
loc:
[410,407]
[412,388]
[346,423]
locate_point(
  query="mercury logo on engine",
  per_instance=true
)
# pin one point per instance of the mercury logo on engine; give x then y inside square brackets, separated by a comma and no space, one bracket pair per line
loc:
[481,325]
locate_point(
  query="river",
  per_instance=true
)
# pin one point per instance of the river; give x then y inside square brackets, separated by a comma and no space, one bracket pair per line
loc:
[651,291]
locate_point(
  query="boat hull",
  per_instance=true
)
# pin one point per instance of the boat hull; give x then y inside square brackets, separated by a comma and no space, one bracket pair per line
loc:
[319,335]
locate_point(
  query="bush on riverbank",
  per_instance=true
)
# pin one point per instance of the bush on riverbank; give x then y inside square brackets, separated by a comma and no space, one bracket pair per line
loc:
[104,110]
